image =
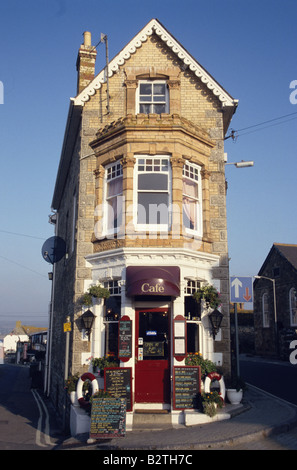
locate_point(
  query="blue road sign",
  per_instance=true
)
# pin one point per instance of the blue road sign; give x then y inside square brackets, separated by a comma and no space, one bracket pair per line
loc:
[241,289]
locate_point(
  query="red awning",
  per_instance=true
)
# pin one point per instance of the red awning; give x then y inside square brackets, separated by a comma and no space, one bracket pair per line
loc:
[153,280]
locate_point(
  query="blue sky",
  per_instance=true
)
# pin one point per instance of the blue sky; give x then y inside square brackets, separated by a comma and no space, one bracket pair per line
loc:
[249,47]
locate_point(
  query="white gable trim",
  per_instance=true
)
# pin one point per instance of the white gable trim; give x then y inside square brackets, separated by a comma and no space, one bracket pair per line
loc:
[155,27]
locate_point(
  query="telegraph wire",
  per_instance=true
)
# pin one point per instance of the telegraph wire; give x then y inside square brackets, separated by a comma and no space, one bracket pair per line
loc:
[21,234]
[234,134]
[22,266]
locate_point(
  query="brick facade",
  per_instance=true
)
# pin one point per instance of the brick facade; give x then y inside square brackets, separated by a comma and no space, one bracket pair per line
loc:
[193,131]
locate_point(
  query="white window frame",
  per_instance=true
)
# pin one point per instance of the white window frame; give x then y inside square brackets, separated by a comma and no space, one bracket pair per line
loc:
[293,306]
[150,226]
[117,169]
[138,96]
[192,172]
[265,310]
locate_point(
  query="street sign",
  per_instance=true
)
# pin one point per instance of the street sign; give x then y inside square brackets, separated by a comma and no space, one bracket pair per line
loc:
[241,289]
[67,327]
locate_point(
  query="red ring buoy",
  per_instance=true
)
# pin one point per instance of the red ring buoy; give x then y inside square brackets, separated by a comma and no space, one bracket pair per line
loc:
[79,388]
[215,376]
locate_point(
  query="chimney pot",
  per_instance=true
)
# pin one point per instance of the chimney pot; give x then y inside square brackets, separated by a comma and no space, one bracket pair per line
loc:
[87,39]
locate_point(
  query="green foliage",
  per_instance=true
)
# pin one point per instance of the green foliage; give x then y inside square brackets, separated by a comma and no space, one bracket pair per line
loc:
[209,294]
[196,359]
[94,291]
[105,361]
[71,382]
[210,402]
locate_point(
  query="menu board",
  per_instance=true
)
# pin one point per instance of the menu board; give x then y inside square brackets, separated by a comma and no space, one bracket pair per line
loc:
[108,418]
[125,338]
[186,387]
[118,382]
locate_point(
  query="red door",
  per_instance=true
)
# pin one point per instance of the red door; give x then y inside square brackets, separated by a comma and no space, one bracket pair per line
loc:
[152,348]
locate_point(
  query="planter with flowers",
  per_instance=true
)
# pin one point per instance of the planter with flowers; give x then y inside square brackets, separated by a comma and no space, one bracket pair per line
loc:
[206,366]
[209,294]
[99,364]
[96,292]
[211,402]
[70,386]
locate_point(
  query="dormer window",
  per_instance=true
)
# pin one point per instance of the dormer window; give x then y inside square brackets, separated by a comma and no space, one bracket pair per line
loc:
[152,97]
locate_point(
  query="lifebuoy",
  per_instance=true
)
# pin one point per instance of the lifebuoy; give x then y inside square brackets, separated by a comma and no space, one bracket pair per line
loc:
[79,388]
[215,376]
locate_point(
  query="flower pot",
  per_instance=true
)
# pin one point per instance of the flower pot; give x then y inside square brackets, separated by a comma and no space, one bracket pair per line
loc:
[234,396]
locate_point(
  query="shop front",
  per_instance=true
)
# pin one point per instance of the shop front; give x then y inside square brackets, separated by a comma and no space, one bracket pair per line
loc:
[165,323]
[153,286]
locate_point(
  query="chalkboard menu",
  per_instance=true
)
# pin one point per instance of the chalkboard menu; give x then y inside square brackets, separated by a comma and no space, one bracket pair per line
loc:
[108,418]
[118,382]
[125,338]
[186,387]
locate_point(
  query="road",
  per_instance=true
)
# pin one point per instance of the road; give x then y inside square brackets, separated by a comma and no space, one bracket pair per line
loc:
[276,377]
[25,423]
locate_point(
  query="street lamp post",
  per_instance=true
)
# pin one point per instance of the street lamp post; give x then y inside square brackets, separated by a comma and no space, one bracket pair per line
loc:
[275,313]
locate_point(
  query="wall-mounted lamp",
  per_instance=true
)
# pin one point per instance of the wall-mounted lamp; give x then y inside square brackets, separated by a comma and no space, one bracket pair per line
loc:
[215,319]
[87,319]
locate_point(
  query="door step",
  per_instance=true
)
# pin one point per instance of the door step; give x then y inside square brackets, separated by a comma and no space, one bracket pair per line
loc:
[151,411]
[151,420]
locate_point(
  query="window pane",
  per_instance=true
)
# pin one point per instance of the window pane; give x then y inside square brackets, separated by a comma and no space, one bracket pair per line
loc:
[146,89]
[153,181]
[152,208]
[115,187]
[190,188]
[159,89]
[190,213]
[159,108]
[114,213]
[145,108]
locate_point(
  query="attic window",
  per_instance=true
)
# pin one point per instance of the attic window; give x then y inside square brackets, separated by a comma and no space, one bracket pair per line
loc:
[152,97]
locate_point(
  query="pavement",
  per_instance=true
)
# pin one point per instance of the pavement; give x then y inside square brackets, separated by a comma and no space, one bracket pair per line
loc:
[260,416]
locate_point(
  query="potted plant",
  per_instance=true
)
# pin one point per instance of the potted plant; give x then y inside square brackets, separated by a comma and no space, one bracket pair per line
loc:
[235,389]
[99,363]
[210,402]
[209,294]
[70,386]
[95,291]
[206,366]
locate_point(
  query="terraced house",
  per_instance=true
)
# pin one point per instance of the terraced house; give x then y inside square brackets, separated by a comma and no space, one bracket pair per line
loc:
[140,201]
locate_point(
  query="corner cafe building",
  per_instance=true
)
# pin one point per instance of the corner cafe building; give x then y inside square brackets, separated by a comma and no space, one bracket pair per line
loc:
[151,321]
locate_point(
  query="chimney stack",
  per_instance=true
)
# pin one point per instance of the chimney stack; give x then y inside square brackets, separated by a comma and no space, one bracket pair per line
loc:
[85,64]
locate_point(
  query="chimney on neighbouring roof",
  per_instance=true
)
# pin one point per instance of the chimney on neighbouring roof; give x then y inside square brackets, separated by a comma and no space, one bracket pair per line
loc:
[85,64]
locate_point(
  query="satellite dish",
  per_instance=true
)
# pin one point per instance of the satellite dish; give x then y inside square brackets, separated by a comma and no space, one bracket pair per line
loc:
[53,249]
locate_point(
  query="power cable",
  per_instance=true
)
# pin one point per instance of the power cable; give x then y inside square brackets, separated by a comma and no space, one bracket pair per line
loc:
[235,133]
[21,235]
[22,266]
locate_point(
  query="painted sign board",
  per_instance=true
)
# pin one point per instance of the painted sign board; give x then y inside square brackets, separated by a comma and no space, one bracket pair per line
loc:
[108,418]
[186,387]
